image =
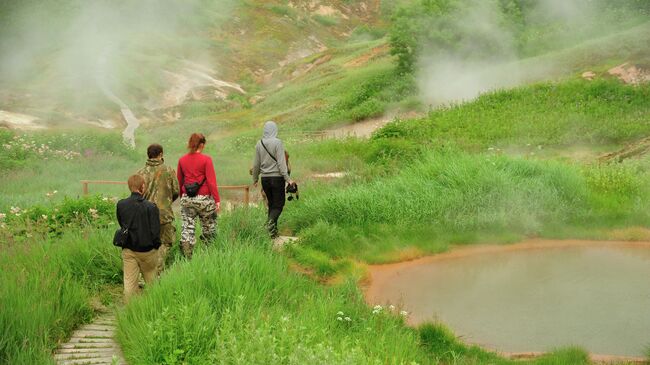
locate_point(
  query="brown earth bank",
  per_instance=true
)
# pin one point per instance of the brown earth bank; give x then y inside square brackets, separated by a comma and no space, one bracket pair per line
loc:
[381,274]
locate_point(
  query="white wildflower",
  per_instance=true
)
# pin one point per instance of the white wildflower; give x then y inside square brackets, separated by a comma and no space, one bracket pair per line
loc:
[339,313]
[339,318]
[14,210]
[391,307]
[348,319]
[285,319]
[44,217]
[2,216]
[404,313]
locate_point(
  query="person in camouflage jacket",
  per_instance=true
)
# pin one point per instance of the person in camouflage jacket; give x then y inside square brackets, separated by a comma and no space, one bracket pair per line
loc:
[161,189]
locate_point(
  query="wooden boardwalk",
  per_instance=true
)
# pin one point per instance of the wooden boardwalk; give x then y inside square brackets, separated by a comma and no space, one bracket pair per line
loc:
[92,343]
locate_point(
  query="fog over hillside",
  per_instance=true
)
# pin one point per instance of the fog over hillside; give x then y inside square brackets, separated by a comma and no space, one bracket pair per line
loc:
[75,46]
[488,46]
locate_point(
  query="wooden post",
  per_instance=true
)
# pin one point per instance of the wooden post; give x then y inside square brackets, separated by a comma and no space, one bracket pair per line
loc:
[84,185]
[247,195]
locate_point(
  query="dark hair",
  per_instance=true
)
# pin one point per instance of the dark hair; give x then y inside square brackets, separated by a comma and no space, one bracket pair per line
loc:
[195,141]
[154,150]
[135,182]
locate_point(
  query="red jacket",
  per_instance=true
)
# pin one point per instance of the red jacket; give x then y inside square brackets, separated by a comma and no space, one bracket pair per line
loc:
[194,167]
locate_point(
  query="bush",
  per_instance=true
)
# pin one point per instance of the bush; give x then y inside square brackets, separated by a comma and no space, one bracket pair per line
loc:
[440,27]
[370,98]
[55,218]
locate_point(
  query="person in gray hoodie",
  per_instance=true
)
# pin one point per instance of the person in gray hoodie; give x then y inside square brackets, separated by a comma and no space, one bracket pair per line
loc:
[270,163]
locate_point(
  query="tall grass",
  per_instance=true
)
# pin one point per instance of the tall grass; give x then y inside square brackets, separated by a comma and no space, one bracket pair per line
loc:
[45,290]
[455,197]
[239,303]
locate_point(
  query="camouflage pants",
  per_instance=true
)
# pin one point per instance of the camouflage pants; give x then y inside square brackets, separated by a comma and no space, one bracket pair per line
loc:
[167,238]
[203,207]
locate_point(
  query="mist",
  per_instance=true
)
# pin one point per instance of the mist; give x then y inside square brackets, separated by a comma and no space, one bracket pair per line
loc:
[96,57]
[487,52]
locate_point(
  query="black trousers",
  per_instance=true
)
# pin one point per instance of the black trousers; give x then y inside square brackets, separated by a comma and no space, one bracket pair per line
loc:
[274,189]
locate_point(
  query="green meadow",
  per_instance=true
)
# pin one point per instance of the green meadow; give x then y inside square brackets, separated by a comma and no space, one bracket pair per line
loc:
[516,162]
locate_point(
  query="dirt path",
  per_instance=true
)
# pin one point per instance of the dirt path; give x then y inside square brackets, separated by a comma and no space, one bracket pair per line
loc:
[92,343]
[362,129]
[365,128]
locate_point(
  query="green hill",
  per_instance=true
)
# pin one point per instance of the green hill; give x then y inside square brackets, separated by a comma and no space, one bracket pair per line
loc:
[518,160]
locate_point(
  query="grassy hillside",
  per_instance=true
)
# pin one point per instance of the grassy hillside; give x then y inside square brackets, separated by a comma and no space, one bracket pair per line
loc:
[511,164]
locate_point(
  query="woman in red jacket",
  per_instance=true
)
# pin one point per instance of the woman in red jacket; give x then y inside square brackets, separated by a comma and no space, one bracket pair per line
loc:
[199,194]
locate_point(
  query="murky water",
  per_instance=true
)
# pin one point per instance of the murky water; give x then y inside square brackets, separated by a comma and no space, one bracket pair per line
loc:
[531,300]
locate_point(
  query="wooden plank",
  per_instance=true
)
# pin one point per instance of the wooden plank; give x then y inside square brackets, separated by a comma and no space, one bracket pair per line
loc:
[93,334]
[90,340]
[97,327]
[91,345]
[84,355]
[99,360]
[85,350]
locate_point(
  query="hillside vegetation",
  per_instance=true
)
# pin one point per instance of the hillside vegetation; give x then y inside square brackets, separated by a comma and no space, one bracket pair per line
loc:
[503,162]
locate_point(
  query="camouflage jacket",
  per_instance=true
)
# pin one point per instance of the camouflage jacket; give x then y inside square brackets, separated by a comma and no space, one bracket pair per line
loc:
[162,187]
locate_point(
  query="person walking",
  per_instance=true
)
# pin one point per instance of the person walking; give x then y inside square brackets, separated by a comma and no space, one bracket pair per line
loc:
[140,251]
[162,190]
[199,194]
[271,164]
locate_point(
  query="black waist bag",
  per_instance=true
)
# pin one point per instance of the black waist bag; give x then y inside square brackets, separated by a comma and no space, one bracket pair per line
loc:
[192,189]
[122,236]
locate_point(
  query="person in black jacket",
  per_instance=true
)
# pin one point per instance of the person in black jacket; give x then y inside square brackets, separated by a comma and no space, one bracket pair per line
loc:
[140,254]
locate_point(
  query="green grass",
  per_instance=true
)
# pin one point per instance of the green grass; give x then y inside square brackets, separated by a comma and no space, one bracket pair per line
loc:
[416,188]
[45,289]
[238,302]
[567,113]
[452,197]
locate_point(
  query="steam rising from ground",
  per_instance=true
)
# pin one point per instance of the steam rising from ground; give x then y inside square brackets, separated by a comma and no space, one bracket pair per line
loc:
[458,75]
[64,50]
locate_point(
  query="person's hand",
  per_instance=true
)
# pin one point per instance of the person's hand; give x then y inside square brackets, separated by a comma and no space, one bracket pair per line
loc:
[255,184]
[290,182]
[218,207]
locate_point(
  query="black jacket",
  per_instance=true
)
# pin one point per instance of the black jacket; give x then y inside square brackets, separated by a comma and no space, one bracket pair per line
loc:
[144,220]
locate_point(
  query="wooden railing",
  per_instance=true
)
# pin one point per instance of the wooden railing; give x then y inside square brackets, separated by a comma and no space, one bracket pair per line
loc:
[245,188]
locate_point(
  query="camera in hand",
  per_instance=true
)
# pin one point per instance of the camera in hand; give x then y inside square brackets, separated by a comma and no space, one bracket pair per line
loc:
[292,191]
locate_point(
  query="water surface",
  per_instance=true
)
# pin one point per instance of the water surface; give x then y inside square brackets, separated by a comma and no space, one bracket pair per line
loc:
[530,300]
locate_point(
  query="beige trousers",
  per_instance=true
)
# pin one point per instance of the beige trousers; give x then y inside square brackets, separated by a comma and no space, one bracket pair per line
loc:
[135,263]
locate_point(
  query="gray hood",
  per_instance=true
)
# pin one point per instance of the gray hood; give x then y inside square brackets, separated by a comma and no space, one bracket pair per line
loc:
[270,130]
